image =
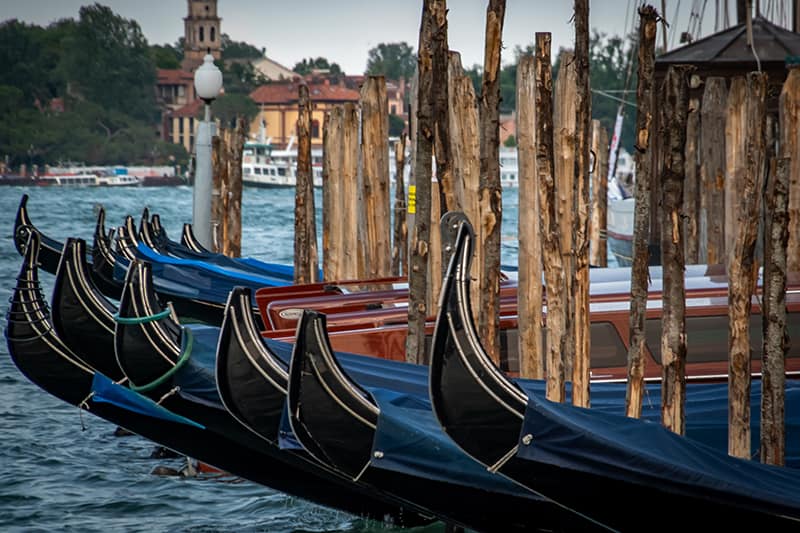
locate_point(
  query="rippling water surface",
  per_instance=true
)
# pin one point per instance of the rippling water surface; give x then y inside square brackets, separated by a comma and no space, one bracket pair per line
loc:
[62,470]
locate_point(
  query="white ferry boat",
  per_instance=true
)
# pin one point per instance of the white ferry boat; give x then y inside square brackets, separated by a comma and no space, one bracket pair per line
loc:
[262,166]
[87,179]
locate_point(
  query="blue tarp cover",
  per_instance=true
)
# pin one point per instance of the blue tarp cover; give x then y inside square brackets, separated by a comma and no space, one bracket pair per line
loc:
[641,452]
[105,390]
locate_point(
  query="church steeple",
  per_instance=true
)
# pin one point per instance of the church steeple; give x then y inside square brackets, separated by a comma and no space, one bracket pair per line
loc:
[201,33]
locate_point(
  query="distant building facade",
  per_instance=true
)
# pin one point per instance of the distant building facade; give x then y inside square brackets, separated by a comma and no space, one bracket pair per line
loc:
[278,111]
[273,71]
[202,33]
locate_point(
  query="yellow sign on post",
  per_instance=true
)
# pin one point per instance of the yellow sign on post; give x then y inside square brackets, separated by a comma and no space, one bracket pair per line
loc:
[412,199]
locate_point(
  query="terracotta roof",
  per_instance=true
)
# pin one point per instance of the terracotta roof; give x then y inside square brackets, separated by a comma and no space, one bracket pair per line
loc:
[189,110]
[286,93]
[173,76]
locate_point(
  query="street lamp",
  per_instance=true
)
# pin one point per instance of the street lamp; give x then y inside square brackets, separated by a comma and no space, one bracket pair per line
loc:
[207,83]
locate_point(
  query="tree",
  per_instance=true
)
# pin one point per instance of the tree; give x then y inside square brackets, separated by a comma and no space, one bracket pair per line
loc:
[121,74]
[394,60]
[396,125]
[307,66]
[165,56]
[239,49]
[228,106]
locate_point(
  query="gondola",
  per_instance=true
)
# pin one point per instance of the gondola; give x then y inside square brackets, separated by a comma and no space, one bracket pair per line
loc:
[189,239]
[49,249]
[157,357]
[104,258]
[574,455]
[336,419]
[46,360]
[82,316]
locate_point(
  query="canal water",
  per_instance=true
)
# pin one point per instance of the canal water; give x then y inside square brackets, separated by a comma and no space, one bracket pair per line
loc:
[59,471]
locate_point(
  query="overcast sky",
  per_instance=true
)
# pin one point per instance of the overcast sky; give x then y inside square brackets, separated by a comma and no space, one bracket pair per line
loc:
[344,30]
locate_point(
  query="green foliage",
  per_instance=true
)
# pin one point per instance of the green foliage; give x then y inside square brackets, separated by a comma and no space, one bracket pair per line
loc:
[165,56]
[608,62]
[240,77]
[120,75]
[511,142]
[103,70]
[229,106]
[306,66]
[238,49]
[394,60]
[396,125]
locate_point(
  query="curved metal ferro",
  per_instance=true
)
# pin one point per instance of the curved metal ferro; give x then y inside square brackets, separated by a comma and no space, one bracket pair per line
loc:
[49,249]
[466,388]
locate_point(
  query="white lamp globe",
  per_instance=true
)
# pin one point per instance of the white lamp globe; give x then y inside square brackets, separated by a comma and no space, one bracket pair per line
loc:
[208,79]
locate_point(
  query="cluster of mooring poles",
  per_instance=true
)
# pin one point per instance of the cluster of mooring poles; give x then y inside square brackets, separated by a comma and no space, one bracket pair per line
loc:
[702,166]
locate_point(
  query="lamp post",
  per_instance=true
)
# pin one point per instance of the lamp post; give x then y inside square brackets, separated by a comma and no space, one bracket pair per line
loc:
[207,83]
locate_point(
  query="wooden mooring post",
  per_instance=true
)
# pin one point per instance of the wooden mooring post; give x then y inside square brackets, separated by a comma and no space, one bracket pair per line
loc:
[598,238]
[580,227]
[530,243]
[790,147]
[640,272]
[713,173]
[491,193]
[551,246]
[226,193]
[692,197]
[742,266]
[773,358]
[673,309]
[305,227]
[332,231]
[416,351]
[735,156]
[374,214]
[400,228]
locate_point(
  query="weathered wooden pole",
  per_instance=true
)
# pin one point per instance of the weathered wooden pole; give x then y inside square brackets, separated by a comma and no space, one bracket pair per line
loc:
[441,111]
[219,168]
[491,194]
[743,268]
[443,194]
[598,222]
[465,145]
[673,313]
[640,272]
[420,241]
[400,234]
[551,246]
[232,200]
[374,215]
[773,359]
[352,246]
[332,216]
[735,161]
[691,197]
[530,242]
[712,169]
[305,234]
[580,227]
[790,147]
[564,115]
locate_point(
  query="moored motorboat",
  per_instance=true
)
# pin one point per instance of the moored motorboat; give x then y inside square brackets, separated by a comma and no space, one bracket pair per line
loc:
[571,455]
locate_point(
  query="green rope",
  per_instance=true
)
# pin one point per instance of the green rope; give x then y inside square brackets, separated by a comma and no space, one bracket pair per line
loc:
[187,351]
[141,319]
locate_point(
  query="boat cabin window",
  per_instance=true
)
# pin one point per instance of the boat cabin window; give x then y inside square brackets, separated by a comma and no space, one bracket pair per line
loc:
[707,338]
[281,171]
[607,350]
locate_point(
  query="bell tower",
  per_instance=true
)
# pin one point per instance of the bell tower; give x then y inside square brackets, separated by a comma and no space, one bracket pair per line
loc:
[201,33]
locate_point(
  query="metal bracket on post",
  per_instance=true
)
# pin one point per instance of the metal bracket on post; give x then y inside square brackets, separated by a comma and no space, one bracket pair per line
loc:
[448,225]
